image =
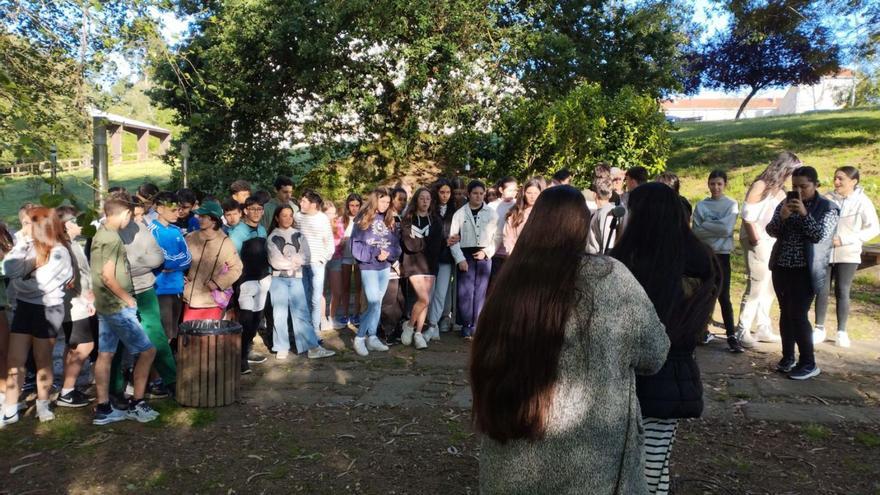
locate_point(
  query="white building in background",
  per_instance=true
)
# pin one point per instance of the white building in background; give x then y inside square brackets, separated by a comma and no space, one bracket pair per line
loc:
[830,93]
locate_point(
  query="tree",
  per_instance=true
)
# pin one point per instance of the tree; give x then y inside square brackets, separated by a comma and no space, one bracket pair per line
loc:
[258,77]
[558,44]
[769,45]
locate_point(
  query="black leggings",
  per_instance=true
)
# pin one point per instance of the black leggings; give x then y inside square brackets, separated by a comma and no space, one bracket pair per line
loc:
[843,275]
[170,309]
[794,291]
[724,295]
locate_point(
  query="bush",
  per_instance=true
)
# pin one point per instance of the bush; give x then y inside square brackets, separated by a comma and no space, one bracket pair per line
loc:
[579,130]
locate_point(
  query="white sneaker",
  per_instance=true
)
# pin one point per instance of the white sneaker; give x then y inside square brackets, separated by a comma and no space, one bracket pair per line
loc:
[819,335]
[374,344]
[319,352]
[360,346]
[766,335]
[842,339]
[282,355]
[8,420]
[745,338]
[419,341]
[444,325]
[406,337]
[433,333]
[45,415]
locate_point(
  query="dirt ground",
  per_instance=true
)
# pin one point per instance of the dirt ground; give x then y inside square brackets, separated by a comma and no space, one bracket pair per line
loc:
[398,423]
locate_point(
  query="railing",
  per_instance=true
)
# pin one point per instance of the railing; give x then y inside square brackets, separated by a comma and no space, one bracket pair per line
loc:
[66,165]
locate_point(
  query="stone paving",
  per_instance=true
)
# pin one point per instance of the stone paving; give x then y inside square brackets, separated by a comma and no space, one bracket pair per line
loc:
[744,385]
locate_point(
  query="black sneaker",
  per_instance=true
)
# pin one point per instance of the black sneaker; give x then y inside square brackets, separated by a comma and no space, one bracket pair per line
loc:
[157,390]
[74,398]
[255,358]
[785,365]
[804,372]
[733,345]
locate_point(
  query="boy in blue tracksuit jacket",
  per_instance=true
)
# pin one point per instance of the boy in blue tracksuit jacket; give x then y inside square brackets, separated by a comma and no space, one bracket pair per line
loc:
[169,282]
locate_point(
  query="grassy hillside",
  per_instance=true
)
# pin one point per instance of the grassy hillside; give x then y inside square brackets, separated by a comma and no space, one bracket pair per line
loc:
[23,189]
[825,140]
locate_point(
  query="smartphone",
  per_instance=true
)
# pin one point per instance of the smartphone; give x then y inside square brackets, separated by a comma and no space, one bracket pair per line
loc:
[790,195]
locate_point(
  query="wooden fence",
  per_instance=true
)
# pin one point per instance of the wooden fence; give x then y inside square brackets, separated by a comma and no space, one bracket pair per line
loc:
[66,165]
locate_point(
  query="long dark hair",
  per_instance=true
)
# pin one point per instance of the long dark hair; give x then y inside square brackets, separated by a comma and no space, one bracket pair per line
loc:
[412,210]
[517,212]
[274,223]
[346,215]
[658,247]
[515,355]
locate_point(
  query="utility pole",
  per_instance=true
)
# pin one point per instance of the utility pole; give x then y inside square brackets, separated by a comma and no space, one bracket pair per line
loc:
[184,153]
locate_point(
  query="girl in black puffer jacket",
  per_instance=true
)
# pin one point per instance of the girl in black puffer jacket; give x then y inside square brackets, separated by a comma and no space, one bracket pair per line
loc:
[682,279]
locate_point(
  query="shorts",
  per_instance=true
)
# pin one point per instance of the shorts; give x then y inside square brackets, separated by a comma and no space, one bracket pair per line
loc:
[122,326]
[38,321]
[83,331]
[334,265]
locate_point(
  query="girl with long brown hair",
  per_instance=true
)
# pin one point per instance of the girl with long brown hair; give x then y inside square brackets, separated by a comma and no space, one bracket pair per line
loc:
[444,207]
[351,278]
[518,215]
[375,245]
[553,366]
[421,234]
[40,269]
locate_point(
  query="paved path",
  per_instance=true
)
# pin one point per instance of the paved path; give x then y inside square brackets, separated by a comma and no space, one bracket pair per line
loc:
[743,385]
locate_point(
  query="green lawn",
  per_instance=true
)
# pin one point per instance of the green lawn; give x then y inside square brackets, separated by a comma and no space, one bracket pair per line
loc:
[825,140]
[20,190]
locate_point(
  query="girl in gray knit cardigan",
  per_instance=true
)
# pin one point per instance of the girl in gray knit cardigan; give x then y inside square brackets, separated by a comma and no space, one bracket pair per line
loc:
[553,366]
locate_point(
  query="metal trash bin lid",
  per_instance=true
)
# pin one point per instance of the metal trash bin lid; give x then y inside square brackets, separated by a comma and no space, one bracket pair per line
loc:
[209,327]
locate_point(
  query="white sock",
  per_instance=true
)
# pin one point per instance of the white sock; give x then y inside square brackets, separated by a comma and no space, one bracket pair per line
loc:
[10,411]
[65,391]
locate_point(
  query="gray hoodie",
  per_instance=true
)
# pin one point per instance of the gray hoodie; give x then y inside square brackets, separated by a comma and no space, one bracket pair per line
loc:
[714,221]
[144,255]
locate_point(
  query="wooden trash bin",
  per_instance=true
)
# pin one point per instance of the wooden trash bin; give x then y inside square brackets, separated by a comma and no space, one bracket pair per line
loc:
[208,363]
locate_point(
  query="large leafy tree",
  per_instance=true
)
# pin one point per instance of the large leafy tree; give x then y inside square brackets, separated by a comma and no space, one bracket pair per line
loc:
[770,44]
[644,45]
[259,76]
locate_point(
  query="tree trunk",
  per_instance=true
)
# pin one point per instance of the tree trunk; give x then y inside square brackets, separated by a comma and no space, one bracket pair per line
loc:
[746,102]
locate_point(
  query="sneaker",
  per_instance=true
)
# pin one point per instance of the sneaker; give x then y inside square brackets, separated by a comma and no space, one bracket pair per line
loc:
[8,420]
[255,358]
[766,335]
[319,352]
[105,418]
[374,344]
[785,365]
[819,335]
[419,341]
[406,337]
[745,338]
[74,398]
[141,412]
[842,339]
[354,321]
[432,333]
[467,333]
[340,322]
[804,372]
[45,414]
[707,337]
[282,355]
[157,390]
[360,346]
[245,368]
[444,325]
[733,345]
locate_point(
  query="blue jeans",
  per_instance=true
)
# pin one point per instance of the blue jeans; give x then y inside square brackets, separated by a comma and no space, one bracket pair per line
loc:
[313,276]
[122,326]
[375,283]
[441,296]
[289,294]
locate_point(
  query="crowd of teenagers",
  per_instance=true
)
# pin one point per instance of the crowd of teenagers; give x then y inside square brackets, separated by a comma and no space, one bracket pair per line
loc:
[585,307]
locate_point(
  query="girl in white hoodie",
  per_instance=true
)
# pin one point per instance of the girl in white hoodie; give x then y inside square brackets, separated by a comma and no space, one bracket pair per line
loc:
[857,225]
